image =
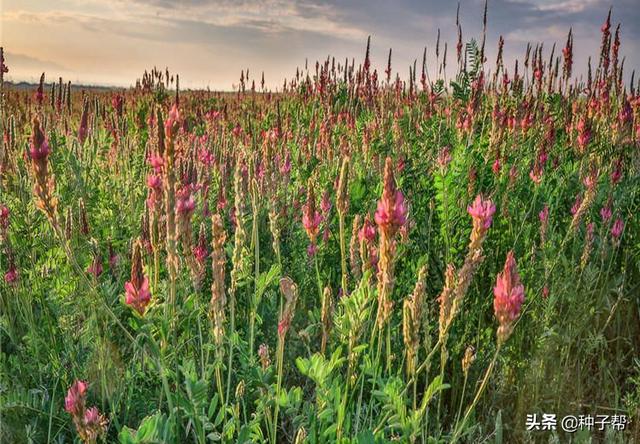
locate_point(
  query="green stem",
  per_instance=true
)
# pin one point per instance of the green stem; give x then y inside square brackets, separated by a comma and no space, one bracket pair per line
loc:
[280,359]
[343,257]
[459,428]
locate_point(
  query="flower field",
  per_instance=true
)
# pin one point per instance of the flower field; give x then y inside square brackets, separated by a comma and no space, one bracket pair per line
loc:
[359,257]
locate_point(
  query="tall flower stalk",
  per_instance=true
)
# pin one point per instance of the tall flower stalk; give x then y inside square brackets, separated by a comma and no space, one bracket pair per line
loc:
[342,204]
[507,303]
[238,259]
[171,126]
[289,290]
[218,295]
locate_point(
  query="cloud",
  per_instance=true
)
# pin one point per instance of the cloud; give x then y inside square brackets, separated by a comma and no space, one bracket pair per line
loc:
[26,62]
[209,41]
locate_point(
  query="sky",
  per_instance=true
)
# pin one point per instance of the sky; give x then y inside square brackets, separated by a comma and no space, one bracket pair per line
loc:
[209,42]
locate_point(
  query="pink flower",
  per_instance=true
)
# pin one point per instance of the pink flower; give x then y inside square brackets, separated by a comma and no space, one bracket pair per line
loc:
[325,203]
[496,166]
[617,228]
[311,222]
[91,417]
[545,292]
[206,157]
[536,174]
[74,401]
[584,134]
[95,268]
[83,130]
[576,205]
[200,253]
[544,214]
[172,124]
[11,276]
[4,217]
[367,232]
[138,298]
[285,167]
[482,211]
[39,151]
[508,297]
[156,161]
[185,204]
[117,101]
[616,175]
[283,326]
[312,249]
[444,157]
[391,213]
[154,181]
[605,213]
[591,180]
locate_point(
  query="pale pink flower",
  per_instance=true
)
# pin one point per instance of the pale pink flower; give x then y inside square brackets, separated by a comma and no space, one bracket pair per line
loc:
[576,205]
[95,268]
[617,228]
[444,157]
[367,232]
[11,276]
[544,214]
[482,211]
[4,217]
[508,297]
[172,124]
[138,298]
[74,401]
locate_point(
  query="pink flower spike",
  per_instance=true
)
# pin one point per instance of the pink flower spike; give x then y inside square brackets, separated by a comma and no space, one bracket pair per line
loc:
[138,298]
[74,401]
[617,228]
[544,214]
[91,416]
[482,211]
[11,276]
[508,297]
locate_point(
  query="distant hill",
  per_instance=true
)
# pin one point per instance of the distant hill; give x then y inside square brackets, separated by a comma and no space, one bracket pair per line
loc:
[30,86]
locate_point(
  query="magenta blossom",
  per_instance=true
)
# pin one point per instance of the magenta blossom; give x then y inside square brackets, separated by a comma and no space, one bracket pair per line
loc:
[172,124]
[367,232]
[482,211]
[392,212]
[508,297]
[154,181]
[39,151]
[576,205]
[156,161]
[617,228]
[95,268]
[311,222]
[74,401]
[4,217]
[138,298]
[544,214]
[11,276]
[185,204]
[92,417]
[605,213]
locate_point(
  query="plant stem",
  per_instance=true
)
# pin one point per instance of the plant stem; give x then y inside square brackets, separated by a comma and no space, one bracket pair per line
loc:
[459,428]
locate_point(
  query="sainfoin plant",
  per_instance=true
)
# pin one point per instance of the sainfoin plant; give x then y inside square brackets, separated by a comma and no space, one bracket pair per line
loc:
[355,257]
